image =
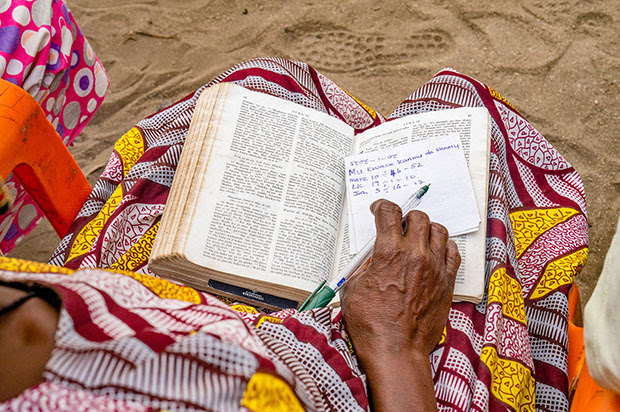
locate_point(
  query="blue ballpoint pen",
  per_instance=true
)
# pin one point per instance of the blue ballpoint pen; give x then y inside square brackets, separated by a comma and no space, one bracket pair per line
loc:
[325,292]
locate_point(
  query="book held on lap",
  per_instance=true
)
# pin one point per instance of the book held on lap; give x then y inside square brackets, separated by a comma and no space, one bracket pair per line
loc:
[256,211]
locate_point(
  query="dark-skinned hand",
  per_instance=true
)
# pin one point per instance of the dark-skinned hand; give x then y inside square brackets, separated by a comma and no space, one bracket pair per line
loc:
[396,306]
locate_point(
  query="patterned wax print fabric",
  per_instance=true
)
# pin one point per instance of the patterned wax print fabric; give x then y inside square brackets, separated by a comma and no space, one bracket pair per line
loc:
[131,342]
[43,50]
[508,352]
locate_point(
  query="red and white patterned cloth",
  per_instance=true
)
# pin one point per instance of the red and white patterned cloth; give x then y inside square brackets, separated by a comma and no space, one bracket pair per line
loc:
[507,353]
[133,342]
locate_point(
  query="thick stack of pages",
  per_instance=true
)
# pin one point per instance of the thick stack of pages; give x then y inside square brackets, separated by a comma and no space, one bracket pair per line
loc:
[256,211]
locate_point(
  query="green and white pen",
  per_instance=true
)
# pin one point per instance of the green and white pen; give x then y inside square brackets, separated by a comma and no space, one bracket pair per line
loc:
[325,292]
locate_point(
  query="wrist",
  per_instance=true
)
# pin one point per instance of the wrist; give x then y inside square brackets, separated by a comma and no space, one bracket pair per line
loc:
[389,358]
[391,352]
[400,381]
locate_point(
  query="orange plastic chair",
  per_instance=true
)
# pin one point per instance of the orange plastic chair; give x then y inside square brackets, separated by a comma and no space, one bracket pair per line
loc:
[587,394]
[38,158]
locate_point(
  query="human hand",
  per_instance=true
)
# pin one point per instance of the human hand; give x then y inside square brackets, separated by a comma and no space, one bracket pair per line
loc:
[399,302]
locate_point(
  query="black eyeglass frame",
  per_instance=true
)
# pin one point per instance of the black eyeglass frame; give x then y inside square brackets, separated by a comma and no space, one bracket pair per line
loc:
[12,306]
[34,290]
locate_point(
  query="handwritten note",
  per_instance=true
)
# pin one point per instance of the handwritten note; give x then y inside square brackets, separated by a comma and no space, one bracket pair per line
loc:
[396,173]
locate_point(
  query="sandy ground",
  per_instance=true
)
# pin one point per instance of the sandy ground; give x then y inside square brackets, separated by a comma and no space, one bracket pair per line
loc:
[557,61]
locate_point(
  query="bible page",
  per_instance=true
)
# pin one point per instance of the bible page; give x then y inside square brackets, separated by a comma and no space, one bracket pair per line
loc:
[270,200]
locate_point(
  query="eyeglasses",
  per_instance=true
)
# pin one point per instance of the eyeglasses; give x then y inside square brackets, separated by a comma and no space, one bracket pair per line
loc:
[12,306]
[33,290]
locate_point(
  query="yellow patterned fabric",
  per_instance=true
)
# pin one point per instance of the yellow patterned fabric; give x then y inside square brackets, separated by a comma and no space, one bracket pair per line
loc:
[529,224]
[19,265]
[269,319]
[507,291]
[268,393]
[560,272]
[511,382]
[495,94]
[368,109]
[443,336]
[139,251]
[244,309]
[130,148]
[161,287]
[87,236]
[165,289]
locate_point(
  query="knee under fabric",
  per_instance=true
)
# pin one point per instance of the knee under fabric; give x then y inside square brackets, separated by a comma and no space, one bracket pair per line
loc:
[602,322]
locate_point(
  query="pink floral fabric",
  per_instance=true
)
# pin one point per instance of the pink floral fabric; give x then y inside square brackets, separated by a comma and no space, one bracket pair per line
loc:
[43,50]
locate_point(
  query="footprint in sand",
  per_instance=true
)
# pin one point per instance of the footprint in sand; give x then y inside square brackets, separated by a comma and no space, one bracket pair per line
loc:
[601,27]
[344,51]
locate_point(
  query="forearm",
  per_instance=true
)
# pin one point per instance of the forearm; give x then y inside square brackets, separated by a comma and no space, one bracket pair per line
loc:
[396,308]
[400,382]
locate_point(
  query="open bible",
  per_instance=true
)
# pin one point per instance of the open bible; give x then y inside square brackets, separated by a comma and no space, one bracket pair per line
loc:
[257,210]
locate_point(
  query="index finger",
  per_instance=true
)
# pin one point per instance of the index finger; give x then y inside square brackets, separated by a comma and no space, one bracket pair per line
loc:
[388,220]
